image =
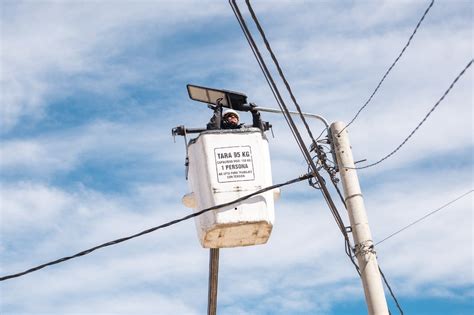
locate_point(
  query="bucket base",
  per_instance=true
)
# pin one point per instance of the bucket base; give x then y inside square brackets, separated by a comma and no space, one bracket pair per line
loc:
[237,234]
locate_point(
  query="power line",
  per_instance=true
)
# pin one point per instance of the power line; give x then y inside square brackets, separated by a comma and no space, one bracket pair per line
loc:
[123,239]
[281,103]
[287,85]
[406,227]
[298,107]
[391,292]
[318,150]
[289,119]
[419,124]
[278,97]
[280,71]
[265,71]
[393,65]
[424,217]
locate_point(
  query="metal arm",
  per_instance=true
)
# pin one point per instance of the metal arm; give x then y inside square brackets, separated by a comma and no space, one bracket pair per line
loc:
[320,118]
[272,110]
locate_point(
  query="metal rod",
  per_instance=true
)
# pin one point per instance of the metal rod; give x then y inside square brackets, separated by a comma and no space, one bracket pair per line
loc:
[272,110]
[213,280]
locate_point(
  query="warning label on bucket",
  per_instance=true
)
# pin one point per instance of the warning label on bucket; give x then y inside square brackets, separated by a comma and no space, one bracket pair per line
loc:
[234,164]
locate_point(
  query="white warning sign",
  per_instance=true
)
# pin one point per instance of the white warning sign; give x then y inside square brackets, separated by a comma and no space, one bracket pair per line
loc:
[234,164]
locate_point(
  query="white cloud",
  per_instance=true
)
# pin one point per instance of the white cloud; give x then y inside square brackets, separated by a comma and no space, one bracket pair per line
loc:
[53,153]
[333,56]
[305,252]
[74,46]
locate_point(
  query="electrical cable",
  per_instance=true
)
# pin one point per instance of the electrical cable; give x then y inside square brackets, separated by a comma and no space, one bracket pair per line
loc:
[391,67]
[276,93]
[420,123]
[285,109]
[262,65]
[316,147]
[173,222]
[332,207]
[270,80]
[423,217]
[390,290]
[292,126]
[321,134]
[280,71]
[308,129]
[287,85]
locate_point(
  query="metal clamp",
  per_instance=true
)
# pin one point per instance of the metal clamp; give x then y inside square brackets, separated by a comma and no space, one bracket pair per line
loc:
[364,248]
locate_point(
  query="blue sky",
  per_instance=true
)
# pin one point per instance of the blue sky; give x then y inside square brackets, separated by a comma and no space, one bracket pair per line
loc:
[90,91]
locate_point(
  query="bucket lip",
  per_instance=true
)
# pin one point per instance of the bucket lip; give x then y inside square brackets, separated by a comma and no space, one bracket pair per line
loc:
[243,130]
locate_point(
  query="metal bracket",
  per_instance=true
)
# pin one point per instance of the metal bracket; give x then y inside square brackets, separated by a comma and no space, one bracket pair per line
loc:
[364,248]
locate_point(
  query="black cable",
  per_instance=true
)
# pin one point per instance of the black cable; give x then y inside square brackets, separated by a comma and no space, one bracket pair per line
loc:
[283,77]
[270,80]
[311,164]
[419,124]
[285,109]
[339,194]
[289,119]
[281,102]
[391,67]
[263,66]
[280,71]
[391,292]
[287,85]
[123,239]
[423,217]
[321,134]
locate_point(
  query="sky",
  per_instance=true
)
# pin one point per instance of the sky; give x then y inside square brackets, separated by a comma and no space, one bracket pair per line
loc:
[90,91]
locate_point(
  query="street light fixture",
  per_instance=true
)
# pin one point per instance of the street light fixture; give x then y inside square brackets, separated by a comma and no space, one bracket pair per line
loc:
[224,98]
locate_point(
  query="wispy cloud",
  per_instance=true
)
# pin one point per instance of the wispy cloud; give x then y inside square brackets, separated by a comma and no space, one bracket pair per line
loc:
[91,90]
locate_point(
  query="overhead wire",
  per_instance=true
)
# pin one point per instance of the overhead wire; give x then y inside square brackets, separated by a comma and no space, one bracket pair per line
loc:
[293,98]
[280,71]
[331,204]
[404,228]
[391,66]
[310,162]
[170,223]
[298,107]
[419,124]
[284,107]
[270,81]
[263,67]
[424,217]
[319,152]
[292,126]
[391,291]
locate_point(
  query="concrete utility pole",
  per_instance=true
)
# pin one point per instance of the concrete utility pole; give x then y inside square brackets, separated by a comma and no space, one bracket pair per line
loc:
[364,246]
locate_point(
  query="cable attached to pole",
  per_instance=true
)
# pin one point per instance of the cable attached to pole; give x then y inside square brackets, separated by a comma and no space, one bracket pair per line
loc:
[170,223]
[289,119]
[391,292]
[392,65]
[423,217]
[419,124]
